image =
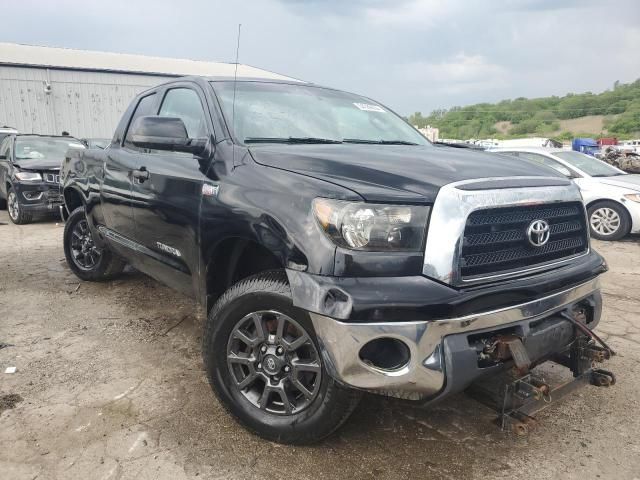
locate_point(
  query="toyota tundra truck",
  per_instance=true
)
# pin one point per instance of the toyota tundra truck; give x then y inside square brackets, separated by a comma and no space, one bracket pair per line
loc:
[335,249]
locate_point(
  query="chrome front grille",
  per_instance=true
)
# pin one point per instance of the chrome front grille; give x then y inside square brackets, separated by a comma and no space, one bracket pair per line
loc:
[496,239]
[51,177]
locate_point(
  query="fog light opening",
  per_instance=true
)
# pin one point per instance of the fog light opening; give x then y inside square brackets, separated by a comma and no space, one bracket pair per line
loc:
[32,195]
[385,354]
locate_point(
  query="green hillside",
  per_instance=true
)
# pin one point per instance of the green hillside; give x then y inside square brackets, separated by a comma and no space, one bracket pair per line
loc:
[523,117]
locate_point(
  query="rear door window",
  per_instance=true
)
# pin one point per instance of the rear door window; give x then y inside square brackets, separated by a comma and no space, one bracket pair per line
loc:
[5,148]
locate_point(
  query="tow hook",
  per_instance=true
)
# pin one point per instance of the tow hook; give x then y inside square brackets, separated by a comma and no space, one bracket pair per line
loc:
[602,378]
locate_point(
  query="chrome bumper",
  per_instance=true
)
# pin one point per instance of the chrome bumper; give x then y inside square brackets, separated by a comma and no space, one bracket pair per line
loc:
[424,377]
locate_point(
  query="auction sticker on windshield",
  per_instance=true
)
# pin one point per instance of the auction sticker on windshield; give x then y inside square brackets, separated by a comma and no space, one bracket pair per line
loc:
[369,108]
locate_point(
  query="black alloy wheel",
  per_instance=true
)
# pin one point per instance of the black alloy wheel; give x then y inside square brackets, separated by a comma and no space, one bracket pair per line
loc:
[84,252]
[84,257]
[274,363]
[264,363]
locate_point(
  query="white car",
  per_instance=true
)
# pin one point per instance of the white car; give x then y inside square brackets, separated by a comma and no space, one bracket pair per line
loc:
[611,196]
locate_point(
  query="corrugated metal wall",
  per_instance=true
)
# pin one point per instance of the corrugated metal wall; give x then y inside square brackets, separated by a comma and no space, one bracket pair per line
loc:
[86,104]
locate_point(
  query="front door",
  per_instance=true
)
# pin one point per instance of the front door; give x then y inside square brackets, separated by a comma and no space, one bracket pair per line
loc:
[166,199]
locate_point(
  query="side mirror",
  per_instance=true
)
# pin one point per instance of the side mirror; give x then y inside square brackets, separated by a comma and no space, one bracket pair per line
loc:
[165,133]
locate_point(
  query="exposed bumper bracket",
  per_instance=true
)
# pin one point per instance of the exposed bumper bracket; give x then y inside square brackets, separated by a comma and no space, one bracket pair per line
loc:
[517,398]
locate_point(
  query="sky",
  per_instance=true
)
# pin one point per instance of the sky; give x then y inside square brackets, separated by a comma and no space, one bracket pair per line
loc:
[412,55]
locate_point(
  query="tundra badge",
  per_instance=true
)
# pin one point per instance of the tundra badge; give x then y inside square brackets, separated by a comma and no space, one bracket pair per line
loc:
[166,248]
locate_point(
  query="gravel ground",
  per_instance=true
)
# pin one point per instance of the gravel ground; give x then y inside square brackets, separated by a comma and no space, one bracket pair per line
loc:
[109,385]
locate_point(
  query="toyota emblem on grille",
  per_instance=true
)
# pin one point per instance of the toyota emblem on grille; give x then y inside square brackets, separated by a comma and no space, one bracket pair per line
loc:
[538,233]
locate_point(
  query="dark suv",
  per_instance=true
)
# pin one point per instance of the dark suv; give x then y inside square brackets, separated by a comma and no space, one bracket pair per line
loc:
[30,174]
[335,249]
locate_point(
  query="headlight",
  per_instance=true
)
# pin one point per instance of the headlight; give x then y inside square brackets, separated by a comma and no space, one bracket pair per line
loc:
[371,227]
[29,176]
[634,197]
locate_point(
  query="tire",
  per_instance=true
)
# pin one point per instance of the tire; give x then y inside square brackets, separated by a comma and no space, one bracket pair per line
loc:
[88,262]
[307,419]
[16,213]
[608,220]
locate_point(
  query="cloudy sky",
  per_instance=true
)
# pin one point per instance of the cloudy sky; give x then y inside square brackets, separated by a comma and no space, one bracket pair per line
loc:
[413,55]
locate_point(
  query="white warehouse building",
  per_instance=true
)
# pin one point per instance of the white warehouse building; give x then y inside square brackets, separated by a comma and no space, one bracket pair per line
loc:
[50,90]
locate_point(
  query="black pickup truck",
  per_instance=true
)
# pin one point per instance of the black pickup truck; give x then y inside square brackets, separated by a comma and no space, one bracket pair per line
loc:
[335,249]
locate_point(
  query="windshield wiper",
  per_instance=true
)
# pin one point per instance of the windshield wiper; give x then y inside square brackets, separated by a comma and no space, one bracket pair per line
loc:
[310,140]
[378,142]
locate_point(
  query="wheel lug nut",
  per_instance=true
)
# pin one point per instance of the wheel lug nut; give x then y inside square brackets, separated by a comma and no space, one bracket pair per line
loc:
[263,348]
[279,350]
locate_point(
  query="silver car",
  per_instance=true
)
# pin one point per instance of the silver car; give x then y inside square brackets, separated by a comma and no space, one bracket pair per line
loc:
[611,196]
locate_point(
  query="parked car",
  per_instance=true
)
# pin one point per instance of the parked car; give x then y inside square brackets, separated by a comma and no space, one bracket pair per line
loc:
[612,196]
[29,174]
[334,248]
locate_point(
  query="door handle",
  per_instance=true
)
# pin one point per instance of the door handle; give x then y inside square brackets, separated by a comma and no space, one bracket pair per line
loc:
[141,174]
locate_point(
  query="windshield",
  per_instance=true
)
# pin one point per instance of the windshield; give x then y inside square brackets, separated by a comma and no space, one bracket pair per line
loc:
[591,166]
[276,112]
[53,148]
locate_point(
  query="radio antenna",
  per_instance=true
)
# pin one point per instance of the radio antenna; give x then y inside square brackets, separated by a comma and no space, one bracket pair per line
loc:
[235,81]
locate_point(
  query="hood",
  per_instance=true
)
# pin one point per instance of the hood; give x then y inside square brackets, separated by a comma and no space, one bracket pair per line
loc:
[624,181]
[38,164]
[393,173]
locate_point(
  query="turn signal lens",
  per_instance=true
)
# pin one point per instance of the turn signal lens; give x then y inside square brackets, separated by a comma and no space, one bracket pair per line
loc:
[634,197]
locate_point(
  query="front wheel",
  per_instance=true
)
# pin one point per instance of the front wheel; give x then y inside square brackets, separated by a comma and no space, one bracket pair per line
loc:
[608,221]
[264,364]
[84,257]
[17,214]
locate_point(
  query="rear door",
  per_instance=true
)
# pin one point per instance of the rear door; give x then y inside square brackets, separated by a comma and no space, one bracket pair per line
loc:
[115,191]
[166,205]
[5,161]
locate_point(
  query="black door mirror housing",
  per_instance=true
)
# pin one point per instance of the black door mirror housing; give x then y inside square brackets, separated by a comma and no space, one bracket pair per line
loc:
[165,133]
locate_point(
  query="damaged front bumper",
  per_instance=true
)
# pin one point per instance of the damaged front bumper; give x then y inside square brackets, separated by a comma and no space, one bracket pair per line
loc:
[39,197]
[435,358]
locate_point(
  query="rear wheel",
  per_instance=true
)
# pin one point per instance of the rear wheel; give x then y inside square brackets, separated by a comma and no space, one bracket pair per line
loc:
[608,221]
[17,213]
[263,362]
[84,257]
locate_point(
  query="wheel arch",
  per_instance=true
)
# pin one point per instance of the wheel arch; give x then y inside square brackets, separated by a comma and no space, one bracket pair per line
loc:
[233,259]
[73,199]
[609,200]
[625,211]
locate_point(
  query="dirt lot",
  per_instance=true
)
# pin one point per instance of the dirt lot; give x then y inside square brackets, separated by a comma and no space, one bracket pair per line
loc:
[109,385]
